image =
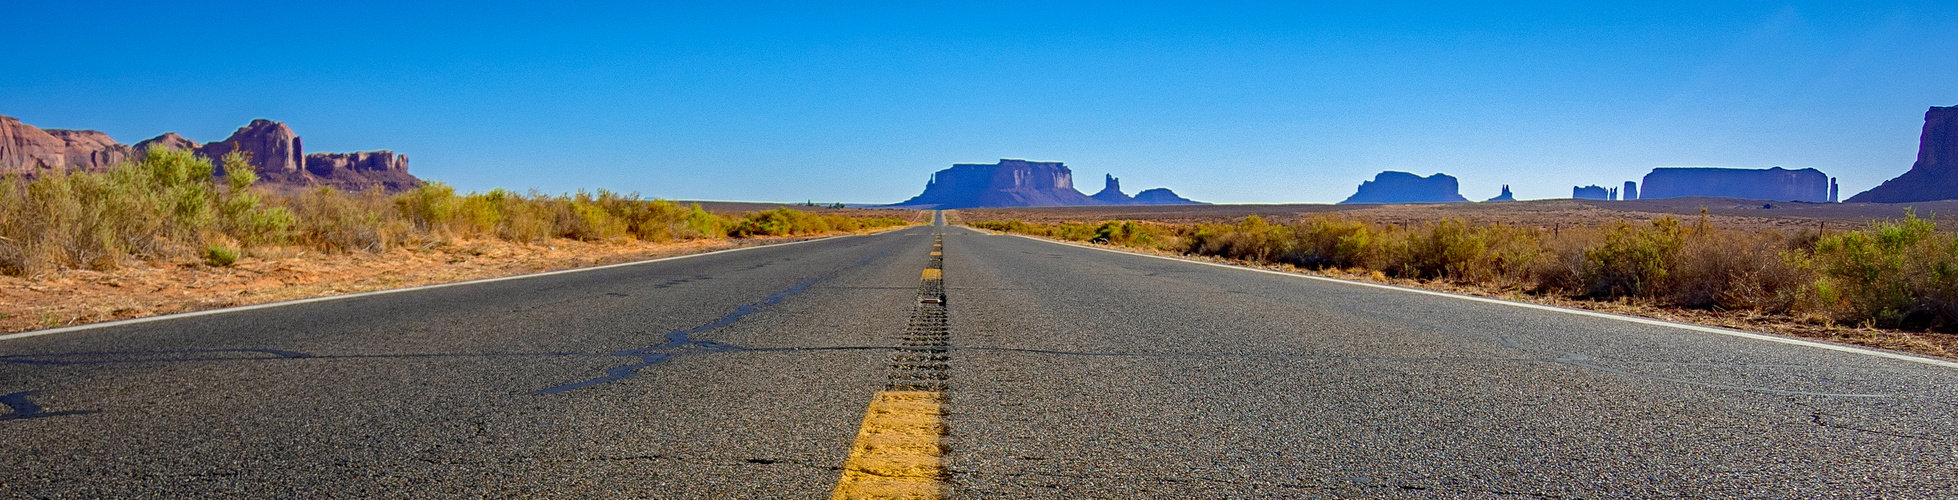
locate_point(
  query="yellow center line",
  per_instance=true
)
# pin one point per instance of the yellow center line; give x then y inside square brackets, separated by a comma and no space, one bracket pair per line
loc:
[934,274]
[899,451]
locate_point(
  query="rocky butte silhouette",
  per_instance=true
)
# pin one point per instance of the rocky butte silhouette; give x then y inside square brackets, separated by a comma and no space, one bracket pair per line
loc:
[1111,192]
[1774,184]
[1163,196]
[1022,183]
[1505,196]
[269,146]
[1935,175]
[1403,187]
[1591,192]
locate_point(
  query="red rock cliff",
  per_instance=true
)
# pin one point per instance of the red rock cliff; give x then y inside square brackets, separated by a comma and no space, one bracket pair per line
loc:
[270,146]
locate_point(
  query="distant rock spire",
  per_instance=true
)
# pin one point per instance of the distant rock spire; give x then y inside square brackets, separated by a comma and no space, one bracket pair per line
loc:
[1505,196]
[1111,192]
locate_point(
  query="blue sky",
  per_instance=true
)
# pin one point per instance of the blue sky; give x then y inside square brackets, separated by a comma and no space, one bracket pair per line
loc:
[1245,103]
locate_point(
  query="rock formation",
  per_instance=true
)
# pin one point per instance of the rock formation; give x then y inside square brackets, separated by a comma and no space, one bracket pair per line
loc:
[270,146]
[1021,183]
[1631,191]
[1163,196]
[1403,187]
[1591,192]
[386,169]
[1111,192]
[1505,196]
[169,140]
[1935,175]
[1775,184]
[29,150]
[1009,183]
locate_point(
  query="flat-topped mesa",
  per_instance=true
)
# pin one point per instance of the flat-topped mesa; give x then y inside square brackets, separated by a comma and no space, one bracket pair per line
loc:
[1591,192]
[386,169]
[1009,183]
[1935,175]
[1403,187]
[1773,184]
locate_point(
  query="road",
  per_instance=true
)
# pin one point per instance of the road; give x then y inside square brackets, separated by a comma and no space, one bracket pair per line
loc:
[1052,371]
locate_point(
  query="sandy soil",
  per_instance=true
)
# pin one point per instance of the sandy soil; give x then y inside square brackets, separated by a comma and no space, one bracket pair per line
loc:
[1722,212]
[74,297]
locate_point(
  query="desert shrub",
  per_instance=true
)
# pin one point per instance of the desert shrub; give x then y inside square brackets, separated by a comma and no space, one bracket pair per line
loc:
[220,256]
[243,214]
[432,207]
[1734,270]
[777,222]
[1250,239]
[700,223]
[157,206]
[331,220]
[168,204]
[1900,273]
[1631,258]
[1128,233]
[1446,248]
[1331,242]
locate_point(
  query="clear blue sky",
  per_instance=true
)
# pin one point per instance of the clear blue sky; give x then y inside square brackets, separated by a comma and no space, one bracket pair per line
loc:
[1242,104]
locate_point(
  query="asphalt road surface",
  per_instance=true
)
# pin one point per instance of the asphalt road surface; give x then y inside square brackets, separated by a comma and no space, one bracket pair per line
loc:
[1070,373]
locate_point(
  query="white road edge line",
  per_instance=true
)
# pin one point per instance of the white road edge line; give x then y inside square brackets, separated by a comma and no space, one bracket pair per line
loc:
[1541,307]
[269,305]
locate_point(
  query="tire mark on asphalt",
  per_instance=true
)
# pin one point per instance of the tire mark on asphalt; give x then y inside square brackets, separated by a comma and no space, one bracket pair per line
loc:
[681,342]
[22,408]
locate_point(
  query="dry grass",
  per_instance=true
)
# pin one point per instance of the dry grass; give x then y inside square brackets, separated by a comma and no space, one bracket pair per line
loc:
[169,206]
[1877,285]
[161,234]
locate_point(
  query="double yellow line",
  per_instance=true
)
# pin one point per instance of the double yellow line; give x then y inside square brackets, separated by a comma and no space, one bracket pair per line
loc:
[900,449]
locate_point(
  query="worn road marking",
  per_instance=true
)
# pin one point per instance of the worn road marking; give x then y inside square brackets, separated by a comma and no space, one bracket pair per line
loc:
[899,449]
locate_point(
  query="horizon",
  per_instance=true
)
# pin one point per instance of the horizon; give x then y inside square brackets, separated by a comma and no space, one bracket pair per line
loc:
[1247,104]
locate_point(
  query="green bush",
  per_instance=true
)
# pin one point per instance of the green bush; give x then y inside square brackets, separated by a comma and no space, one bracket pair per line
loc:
[220,256]
[1900,273]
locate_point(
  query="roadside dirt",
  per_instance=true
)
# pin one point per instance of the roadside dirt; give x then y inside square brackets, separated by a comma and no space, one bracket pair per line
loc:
[73,297]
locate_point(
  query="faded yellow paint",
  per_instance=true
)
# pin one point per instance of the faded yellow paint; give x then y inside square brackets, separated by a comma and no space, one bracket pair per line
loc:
[934,274]
[899,451]
[936,253]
